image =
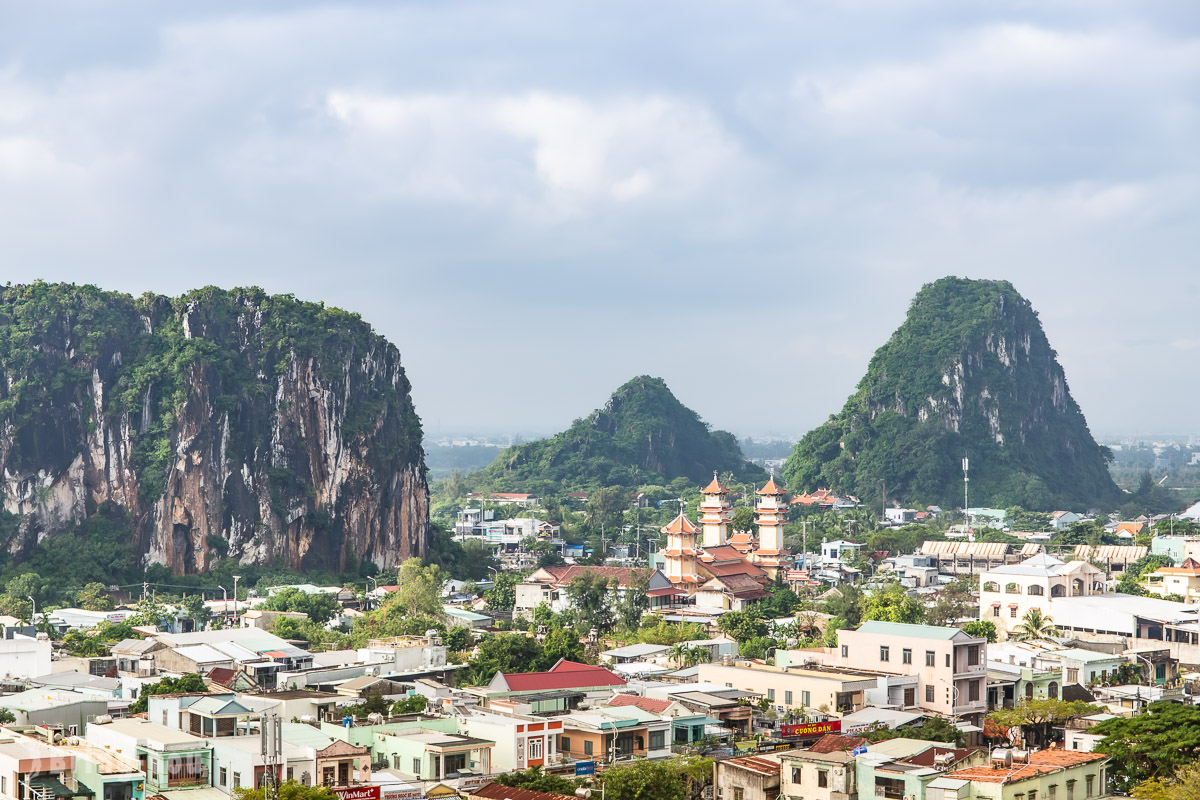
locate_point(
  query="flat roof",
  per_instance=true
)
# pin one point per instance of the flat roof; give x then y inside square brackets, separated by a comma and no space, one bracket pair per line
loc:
[137,728]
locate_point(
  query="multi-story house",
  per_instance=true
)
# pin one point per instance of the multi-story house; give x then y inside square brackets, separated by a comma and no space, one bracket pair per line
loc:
[1008,592]
[832,691]
[949,666]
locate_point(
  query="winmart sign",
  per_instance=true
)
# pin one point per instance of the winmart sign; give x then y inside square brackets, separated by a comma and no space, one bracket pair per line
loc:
[357,793]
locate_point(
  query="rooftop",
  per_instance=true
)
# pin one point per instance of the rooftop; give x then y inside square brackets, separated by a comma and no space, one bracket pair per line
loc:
[763,766]
[913,631]
[1040,762]
[152,732]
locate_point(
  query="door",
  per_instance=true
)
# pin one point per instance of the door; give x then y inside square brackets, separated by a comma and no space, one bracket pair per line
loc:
[910,698]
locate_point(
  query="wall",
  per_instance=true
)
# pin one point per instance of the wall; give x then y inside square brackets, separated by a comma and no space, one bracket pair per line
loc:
[841,774]
[24,657]
[727,777]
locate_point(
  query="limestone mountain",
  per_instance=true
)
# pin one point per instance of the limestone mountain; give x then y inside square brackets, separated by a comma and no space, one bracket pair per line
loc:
[969,373]
[643,434]
[217,424]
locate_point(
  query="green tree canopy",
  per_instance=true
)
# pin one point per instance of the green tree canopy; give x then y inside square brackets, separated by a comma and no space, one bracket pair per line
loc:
[1154,744]
[319,606]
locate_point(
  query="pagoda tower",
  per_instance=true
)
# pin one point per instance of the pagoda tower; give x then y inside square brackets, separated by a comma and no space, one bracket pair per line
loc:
[715,513]
[680,554]
[772,513]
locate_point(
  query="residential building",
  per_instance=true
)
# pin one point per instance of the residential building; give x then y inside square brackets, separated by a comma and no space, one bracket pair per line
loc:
[498,791]
[949,665]
[67,710]
[904,769]
[82,682]
[604,735]
[294,703]
[1133,621]
[687,725]
[24,656]
[1115,556]
[1061,520]
[549,585]
[747,778]
[819,773]
[106,775]
[1040,775]
[429,756]
[170,759]
[1009,591]
[31,769]
[1182,581]
[521,741]
[204,715]
[1083,666]
[832,691]
[561,687]
[839,549]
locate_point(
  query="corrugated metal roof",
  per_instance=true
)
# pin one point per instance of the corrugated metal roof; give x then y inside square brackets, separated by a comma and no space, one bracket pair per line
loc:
[1030,549]
[971,549]
[1111,552]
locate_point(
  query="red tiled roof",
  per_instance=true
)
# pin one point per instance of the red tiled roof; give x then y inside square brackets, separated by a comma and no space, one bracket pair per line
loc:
[626,576]
[563,675]
[1040,762]
[715,487]
[763,766]
[644,703]
[221,675]
[835,742]
[772,488]
[498,791]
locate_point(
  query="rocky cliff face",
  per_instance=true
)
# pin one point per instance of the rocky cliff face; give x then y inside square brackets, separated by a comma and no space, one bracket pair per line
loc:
[222,423]
[969,373]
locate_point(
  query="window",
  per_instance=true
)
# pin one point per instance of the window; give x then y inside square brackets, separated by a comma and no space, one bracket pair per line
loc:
[771,695]
[1033,794]
[796,775]
[224,777]
[930,658]
[1012,588]
[164,718]
[1037,591]
[657,740]
[154,769]
[535,748]
[929,693]
[1072,675]
[845,651]
[1012,612]
[739,793]
[973,655]
[973,691]
[1071,789]
[906,656]
[805,699]
[1091,781]
[823,778]
[291,774]
[1053,791]
[566,744]
[995,611]
[885,653]
[787,698]
[1052,690]
[587,747]
[237,780]
[3,784]
[947,659]
[991,586]
[416,766]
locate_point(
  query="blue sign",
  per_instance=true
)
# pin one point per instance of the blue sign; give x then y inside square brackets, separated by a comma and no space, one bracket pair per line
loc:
[858,751]
[585,767]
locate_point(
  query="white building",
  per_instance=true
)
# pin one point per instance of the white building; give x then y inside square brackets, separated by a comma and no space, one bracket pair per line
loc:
[24,656]
[1008,592]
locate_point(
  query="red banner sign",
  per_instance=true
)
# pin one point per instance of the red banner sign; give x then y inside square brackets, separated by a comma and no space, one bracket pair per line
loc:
[357,793]
[810,728]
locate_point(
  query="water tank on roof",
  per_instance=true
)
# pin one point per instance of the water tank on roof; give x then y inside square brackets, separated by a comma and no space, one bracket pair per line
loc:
[103,719]
[374,718]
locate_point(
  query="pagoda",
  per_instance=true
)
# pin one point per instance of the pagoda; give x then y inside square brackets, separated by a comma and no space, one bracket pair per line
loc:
[680,554]
[715,513]
[772,513]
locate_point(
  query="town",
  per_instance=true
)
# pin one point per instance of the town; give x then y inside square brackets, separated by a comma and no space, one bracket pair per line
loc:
[988,662]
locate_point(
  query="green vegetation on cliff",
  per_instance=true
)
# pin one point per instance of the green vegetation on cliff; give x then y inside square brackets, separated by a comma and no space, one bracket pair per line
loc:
[969,373]
[643,434]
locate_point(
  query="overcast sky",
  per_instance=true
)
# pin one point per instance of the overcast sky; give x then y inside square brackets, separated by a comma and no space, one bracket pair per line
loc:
[537,201]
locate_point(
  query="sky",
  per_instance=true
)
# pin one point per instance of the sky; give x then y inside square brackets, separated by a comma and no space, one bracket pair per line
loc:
[536,201]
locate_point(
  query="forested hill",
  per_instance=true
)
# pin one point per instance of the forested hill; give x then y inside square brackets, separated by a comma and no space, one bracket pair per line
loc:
[219,424]
[969,372]
[643,434]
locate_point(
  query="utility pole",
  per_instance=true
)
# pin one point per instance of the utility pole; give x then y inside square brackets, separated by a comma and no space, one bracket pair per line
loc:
[270,733]
[236,578]
[966,495]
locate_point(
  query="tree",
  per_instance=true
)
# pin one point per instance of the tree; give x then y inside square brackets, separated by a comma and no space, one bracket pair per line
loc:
[743,519]
[149,612]
[196,610]
[742,626]
[419,590]
[954,601]
[1154,744]
[847,604]
[560,643]
[1037,718]
[94,597]
[289,790]
[538,781]
[1183,785]
[1131,579]
[505,652]
[985,629]
[758,647]
[457,638]
[634,602]
[413,704]
[933,729]
[1034,625]
[191,682]
[319,606]
[503,594]
[27,584]
[6,717]
[644,780]
[892,604]
[590,595]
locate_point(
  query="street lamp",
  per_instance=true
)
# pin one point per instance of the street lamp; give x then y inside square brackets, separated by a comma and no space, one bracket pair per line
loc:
[224,600]
[33,616]
[236,578]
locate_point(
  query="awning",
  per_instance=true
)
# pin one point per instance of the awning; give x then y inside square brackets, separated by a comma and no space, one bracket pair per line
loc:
[669,591]
[57,787]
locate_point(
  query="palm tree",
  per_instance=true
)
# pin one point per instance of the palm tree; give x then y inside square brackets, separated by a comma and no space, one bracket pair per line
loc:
[698,655]
[1034,625]
[679,653]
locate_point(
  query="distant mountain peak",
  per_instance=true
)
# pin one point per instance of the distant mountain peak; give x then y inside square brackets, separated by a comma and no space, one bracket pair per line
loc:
[641,434]
[969,373]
